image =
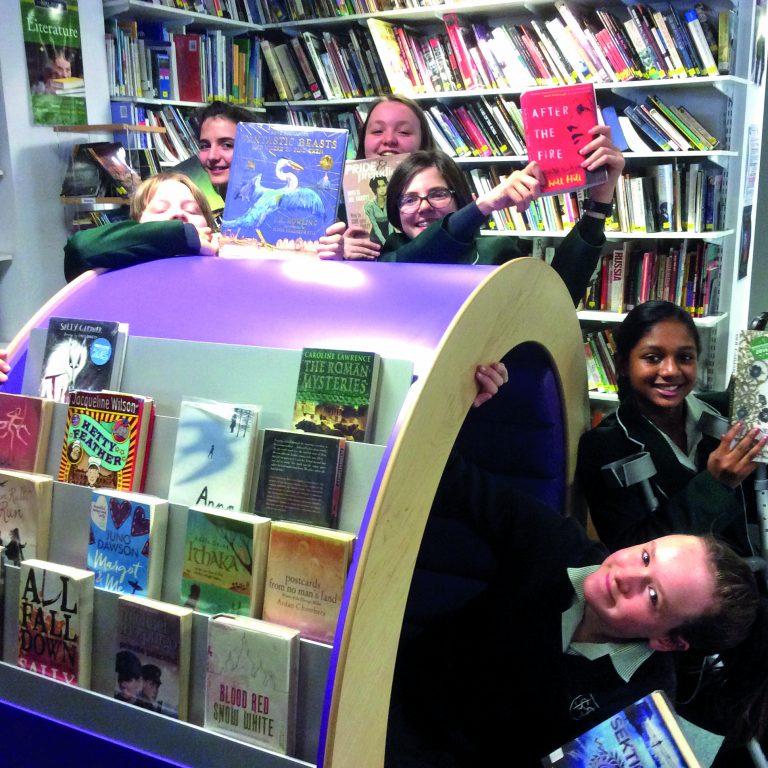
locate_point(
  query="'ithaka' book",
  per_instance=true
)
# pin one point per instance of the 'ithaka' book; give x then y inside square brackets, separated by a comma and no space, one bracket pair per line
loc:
[251,681]
[336,393]
[25,515]
[25,426]
[556,122]
[749,388]
[56,621]
[82,354]
[283,189]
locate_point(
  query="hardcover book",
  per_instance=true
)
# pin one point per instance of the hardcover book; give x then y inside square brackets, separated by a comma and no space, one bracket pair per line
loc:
[749,389]
[106,440]
[25,427]
[25,515]
[214,456]
[126,542]
[306,572]
[225,558]
[336,393]
[283,190]
[55,621]
[81,354]
[251,681]
[301,477]
[154,641]
[556,123]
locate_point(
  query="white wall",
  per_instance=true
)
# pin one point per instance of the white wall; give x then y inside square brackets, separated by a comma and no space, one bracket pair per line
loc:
[32,220]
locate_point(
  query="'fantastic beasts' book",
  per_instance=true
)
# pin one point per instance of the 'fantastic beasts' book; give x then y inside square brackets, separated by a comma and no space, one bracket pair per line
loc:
[283,189]
[25,426]
[749,388]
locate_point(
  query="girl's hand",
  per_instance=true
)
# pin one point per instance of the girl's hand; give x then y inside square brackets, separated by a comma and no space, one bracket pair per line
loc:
[732,465]
[602,152]
[209,241]
[489,378]
[519,189]
[5,369]
[358,245]
[332,242]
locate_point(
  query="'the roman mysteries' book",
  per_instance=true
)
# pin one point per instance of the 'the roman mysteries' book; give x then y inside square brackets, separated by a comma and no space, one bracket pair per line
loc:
[82,354]
[56,621]
[126,542]
[301,477]
[336,393]
[749,388]
[251,681]
[25,426]
[283,189]
[214,456]
[25,515]
[106,440]
[154,641]
[556,122]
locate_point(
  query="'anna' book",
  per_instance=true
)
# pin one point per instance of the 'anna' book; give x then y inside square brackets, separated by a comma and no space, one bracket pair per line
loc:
[154,644]
[251,681]
[82,354]
[283,189]
[56,621]
[126,542]
[25,515]
[336,393]
[225,558]
[749,389]
[25,426]
[106,440]
[556,123]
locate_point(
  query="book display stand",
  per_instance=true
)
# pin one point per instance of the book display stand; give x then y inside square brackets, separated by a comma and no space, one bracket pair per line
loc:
[234,329]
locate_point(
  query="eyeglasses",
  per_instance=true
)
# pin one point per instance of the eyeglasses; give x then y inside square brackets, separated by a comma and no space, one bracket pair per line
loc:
[439,197]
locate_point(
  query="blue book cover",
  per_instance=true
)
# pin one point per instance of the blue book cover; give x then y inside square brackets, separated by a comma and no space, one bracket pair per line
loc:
[611,119]
[283,189]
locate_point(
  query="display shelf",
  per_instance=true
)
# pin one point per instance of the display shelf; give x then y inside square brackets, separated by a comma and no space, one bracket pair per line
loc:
[144,10]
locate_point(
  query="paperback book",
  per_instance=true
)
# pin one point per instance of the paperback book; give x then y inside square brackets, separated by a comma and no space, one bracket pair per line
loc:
[225,558]
[126,542]
[25,427]
[251,681]
[749,388]
[55,621]
[106,440]
[82,354]
[301,477]
[112,158]
[154,641]
[283,189]
[25,515]
[336,393]
[214,455]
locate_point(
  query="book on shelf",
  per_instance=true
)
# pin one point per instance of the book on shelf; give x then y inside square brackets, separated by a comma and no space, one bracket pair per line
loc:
[152,658]
[726,26]
[611,119]
[188,52]
[225,556]
[306,572]
[25,428]
[126,542]
[213,458]
[749,390]
[81,354]
[83,177]
[112,157]
[283,190]
[55,621]
[25,523]
[636,142]
[336,392]
[251,681]
[391,56]
[301,477]
[709,63]
[556,121]
[107,438]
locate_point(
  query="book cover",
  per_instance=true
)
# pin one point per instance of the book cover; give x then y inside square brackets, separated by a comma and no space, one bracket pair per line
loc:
[365,194]
[391,56]
[336,393]
[106,440]
[112,157]
[556,121]
[213,458]
[188,52]
[283,189]
[25,427]
[251,681]
[55,621]
[306,572]
[301,477]
[749,390]
[81,354]
[83,177]
[25,515]
[225,556]
[154,641]
[126,542]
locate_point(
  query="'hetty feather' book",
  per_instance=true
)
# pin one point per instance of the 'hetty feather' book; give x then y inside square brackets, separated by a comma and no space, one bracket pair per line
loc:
[283,189]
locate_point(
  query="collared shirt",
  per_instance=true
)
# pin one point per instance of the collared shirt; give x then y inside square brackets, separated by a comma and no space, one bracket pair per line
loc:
[625,657]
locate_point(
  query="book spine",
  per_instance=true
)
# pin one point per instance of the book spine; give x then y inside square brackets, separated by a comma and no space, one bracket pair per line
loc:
[459,46]
[697,35]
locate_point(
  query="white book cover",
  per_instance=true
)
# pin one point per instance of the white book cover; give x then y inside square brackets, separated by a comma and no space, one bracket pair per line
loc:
[635,141]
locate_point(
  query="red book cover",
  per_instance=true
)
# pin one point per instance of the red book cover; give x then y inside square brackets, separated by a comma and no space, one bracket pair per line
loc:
[474,132]
[25,425]
[556,123]
[188,67]
[463,59]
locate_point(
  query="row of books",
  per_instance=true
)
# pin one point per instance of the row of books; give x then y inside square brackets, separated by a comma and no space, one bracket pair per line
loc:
[281,11]
[599,351]
[248,11]
[104,169]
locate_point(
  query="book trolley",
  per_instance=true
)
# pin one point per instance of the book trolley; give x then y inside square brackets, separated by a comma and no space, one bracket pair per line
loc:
[233,329]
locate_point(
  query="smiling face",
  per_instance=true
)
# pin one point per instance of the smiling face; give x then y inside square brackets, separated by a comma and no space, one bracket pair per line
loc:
[648,590]
[61,67]
[417,221]
[217,143]
[174,200]
[392,129]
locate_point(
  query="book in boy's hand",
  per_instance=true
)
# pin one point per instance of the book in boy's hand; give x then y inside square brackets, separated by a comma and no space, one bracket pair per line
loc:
[283,189]
[25,426]
[251,681]
[82,354]
[749,388]
[336,393]
[25,515]
[556,123]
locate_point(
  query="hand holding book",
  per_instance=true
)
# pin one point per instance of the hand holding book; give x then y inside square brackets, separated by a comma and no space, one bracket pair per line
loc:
[601,152]
[517,190]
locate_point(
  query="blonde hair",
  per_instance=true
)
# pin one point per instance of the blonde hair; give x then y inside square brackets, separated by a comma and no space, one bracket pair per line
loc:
[146,191]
